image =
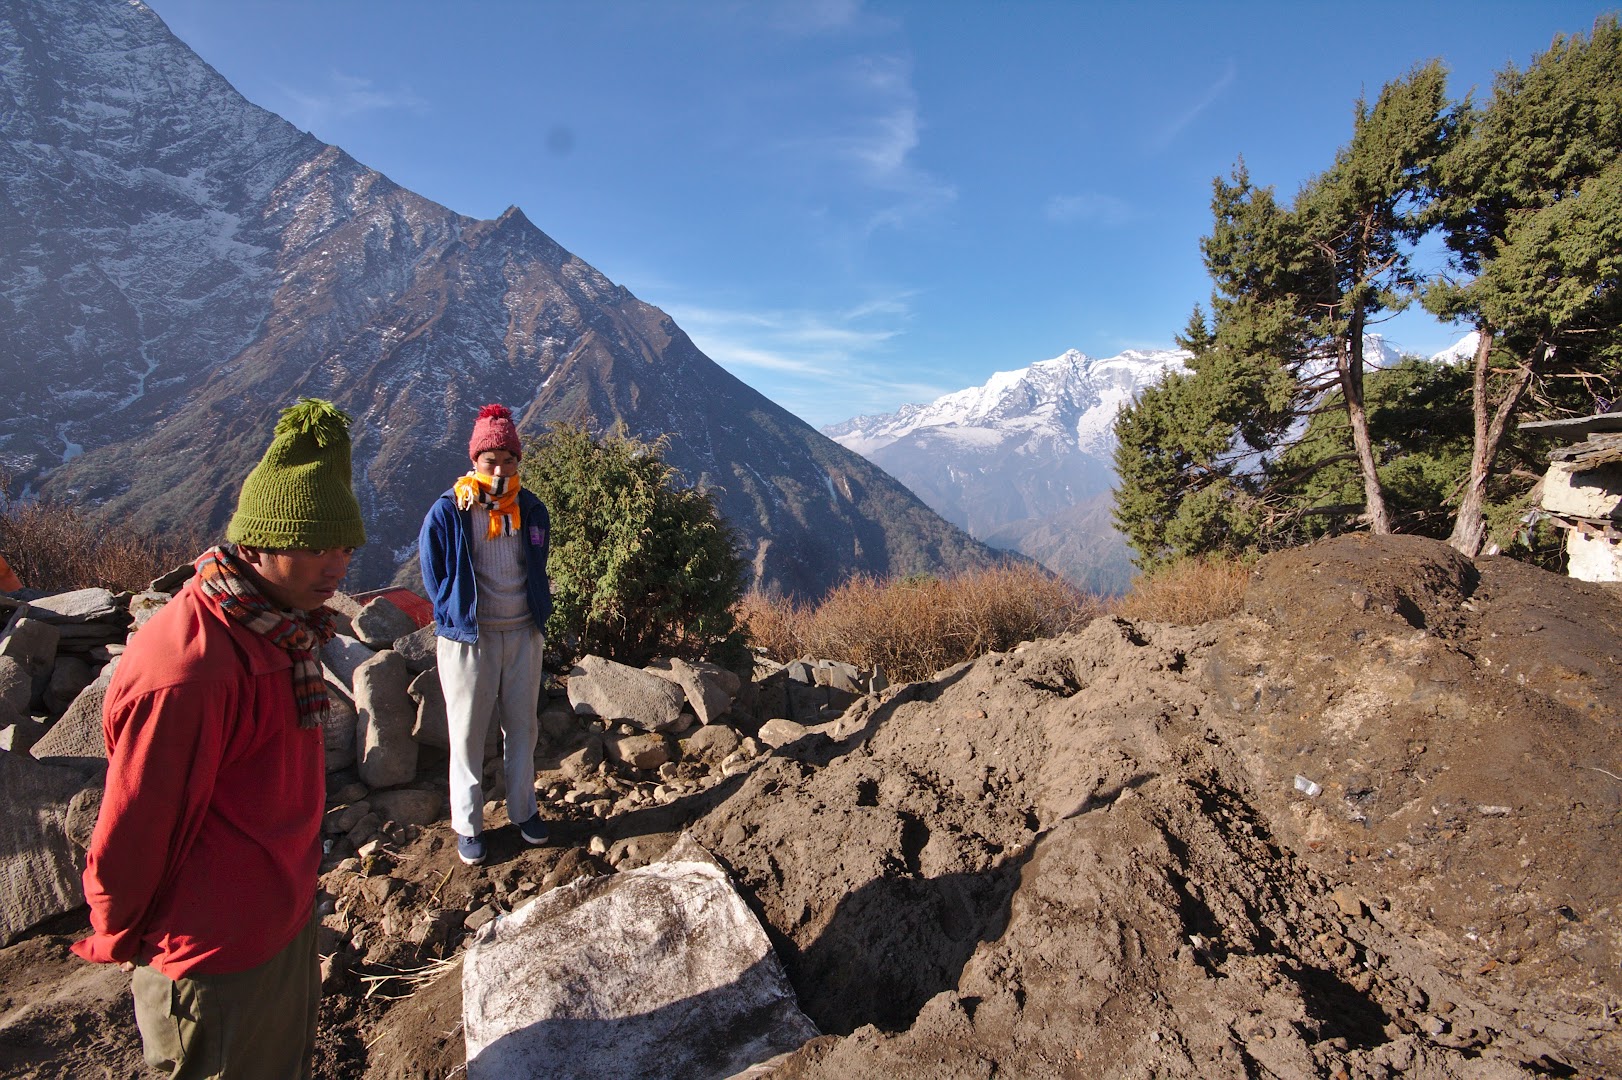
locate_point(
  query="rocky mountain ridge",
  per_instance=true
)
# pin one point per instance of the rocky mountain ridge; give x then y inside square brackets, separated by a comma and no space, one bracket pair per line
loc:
[177,264]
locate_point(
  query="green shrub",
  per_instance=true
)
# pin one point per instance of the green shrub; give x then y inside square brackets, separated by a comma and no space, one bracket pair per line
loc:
[641,565]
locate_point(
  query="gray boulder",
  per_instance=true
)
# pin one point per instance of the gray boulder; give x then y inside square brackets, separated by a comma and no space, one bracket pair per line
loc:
[385,715]
[839,676]
[779,732]
[78,606]
[76,739]
[559,725]
[431,727]
[338,730]
[380,622]
[709,689]
[341,656]
[172,581]
[16,684]
[68,679]
[419,648]
[602,688]
[408,806]
[687,956]
[584,761]
[40,865]
[32,643]
[712,742]
[147,604]
[646,752]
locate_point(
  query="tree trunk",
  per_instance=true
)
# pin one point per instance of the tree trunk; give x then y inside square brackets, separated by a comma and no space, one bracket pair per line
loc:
[1350,364]
[1470,525]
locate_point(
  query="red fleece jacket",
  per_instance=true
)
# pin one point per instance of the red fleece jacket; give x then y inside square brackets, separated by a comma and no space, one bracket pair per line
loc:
[205,856]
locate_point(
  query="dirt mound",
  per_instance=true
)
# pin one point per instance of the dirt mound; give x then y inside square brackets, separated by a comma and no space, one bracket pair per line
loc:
[1366,829]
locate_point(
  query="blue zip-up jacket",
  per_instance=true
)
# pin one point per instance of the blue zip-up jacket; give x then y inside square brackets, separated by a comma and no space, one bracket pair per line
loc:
[447,564]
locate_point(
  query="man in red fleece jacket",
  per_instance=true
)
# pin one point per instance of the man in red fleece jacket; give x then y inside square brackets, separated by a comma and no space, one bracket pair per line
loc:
[201,874]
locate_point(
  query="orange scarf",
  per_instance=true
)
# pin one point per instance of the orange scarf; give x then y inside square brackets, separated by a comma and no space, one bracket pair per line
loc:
[498,494]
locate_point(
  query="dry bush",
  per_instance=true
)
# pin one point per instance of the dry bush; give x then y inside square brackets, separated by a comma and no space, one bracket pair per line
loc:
[1189,591]
[772,622]
[54,547]
[912,627]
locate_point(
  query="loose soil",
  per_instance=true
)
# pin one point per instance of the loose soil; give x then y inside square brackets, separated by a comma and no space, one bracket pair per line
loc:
[1367,828]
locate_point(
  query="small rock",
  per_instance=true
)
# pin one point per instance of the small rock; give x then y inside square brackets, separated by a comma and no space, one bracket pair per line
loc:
[350,793]
[1348,902]
[362,832]
[340,820]
[379,889]
[779,733]
[409,806]
[478,917]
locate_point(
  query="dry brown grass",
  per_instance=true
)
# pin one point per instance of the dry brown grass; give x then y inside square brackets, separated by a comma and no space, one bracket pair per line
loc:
[55,547]
[773,623]
[1188,592]
[913,627]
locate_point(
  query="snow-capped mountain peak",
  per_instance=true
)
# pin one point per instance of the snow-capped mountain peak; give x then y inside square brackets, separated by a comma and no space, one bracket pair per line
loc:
[1072,397]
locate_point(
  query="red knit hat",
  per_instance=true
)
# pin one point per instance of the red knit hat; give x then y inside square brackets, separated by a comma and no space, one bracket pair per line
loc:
[494,430]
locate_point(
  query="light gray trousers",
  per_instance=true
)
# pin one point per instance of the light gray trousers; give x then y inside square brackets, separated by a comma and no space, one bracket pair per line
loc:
[497,676]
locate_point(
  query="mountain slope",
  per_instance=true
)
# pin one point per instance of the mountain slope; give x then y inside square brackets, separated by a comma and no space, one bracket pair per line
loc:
[177,264]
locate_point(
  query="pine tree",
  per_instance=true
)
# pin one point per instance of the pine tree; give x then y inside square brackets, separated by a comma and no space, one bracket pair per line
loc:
[1531,201]
[1293,290]
[1359,220]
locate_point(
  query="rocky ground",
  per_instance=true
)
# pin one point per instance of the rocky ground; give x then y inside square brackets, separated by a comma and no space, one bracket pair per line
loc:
[1365,829]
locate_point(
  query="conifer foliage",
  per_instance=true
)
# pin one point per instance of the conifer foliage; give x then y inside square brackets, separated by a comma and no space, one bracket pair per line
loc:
[641,565]
[1526,193]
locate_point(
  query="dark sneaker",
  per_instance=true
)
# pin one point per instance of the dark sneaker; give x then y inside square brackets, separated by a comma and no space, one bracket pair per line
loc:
[470,849]
[534,830]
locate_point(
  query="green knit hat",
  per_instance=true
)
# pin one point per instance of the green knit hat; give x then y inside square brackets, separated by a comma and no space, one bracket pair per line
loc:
[299,495]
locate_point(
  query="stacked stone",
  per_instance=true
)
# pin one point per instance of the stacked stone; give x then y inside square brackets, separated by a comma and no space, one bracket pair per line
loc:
[614,740]
[57,655]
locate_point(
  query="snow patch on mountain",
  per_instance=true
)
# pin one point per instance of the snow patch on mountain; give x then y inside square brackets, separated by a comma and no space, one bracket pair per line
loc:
[1072,397]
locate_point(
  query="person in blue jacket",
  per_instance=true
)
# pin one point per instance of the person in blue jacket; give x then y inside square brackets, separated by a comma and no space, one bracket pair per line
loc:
[483,548]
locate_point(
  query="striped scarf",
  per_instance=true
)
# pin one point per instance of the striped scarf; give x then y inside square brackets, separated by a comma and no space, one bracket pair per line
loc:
[499,494]
[224,581]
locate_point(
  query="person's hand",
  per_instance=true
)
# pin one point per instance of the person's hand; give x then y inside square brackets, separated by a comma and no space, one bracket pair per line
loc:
[127,966]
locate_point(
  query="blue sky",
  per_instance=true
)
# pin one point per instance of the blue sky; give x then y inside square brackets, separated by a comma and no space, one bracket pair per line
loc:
[851,205]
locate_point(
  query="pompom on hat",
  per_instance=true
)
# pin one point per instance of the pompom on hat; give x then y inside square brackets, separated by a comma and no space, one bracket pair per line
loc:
[300,494]
[494,430]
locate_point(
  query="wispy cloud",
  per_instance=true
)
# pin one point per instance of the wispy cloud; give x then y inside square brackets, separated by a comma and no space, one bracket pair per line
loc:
[1174,127]
[1088,208]
[822,365]
[864,165]
[343,98]
[813,16]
